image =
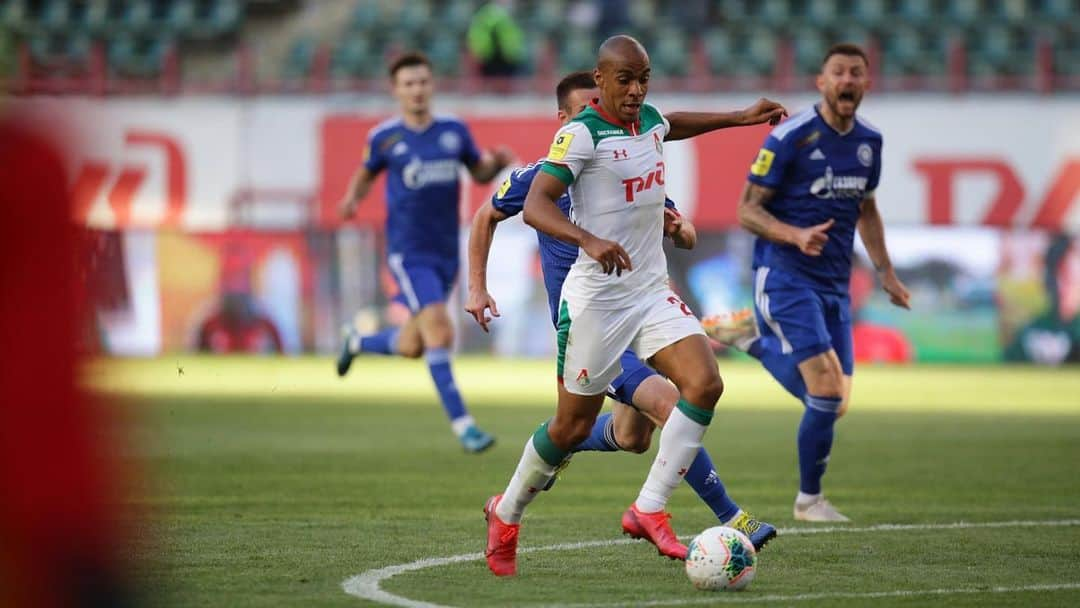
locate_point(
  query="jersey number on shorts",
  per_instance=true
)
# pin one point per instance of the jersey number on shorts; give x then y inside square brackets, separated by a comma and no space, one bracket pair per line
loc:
[682,305]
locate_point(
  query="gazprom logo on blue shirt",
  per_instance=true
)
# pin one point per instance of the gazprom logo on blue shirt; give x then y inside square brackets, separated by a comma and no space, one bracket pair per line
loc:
[838,186]
[419,173]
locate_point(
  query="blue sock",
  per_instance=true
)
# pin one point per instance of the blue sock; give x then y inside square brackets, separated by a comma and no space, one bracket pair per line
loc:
[438,360]
[782,367]
[383,343]
[703,479]
[602,437]
[815,441]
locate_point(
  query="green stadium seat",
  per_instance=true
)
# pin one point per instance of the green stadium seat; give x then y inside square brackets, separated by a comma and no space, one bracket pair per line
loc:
[902,51]
[547,16]
[822,13]
[776,12]
[719,51]
[917,11]
[299,58]
[56,16]
[577,51]
[355,58]
[1014,11]
[138,56]
[732,11]
[1001,51]
[444,51]
[669,52]
[15,16]
[179,18]
[870,13]
[138,15]
[457,14]
[643,14]
[412,18]
[809,45]
[966,12]
[59,51]
[759,56]
[366,16]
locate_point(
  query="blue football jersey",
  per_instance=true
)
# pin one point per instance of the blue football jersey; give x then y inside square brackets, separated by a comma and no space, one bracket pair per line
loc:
[422,183]
[556,257]
[818,174]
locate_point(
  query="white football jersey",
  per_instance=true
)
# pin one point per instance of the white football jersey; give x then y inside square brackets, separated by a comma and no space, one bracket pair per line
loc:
[616,176]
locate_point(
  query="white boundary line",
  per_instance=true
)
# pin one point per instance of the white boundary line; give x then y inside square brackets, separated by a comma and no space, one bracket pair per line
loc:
[367,585]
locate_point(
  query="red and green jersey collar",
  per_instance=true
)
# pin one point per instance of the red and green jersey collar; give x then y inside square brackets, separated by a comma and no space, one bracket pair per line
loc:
[634,127]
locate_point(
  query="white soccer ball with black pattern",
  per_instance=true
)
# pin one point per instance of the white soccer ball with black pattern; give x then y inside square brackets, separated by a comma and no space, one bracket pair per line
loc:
[721,559]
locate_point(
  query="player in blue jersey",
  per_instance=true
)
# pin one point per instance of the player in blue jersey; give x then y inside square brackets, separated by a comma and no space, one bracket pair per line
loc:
[811,186]
[643,398]
[422,155]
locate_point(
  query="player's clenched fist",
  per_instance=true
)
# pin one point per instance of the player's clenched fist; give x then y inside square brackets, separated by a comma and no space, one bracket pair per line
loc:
[611,255]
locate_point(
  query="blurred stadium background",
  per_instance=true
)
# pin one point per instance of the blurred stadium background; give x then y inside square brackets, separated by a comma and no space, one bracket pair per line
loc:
[219,135]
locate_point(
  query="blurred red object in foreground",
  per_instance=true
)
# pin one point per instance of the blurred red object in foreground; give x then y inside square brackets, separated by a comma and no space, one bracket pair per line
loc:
[59,531]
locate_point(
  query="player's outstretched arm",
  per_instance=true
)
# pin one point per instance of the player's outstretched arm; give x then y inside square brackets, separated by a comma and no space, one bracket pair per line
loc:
[358,188]
[491,163]
[756,218]
[542,213]
[485,221]
[872,233]
[692,124]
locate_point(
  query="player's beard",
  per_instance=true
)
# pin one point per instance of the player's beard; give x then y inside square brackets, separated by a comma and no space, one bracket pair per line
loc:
[839,103]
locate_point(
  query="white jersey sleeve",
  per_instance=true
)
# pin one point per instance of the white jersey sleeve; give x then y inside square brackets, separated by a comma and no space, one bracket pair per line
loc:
[571,149]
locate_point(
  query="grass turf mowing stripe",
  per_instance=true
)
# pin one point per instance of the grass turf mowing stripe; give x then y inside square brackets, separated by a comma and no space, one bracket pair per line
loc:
[840,595]
[367,585]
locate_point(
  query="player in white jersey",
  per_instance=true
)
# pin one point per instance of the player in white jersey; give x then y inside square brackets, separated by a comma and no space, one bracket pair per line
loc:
[616,295]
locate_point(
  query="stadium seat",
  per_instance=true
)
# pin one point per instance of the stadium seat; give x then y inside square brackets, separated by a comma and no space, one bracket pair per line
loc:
[457,14]
[59,51]
[216,18]
[355,58]
[719,51]
[760,52]
[56,16]
[366,16]
[179,16]
[775,12]
[902,51]
[965,12]
[917,11]
[821,13]
[870,13]
[138,56]
[577,51]
[810,46]
[669,52]
[444,51]
[299,58]
[546,16]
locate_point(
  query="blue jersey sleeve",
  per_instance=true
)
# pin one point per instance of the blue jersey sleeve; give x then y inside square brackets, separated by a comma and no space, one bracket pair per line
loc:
[470,154]
[374,153]
[510,197]
[771,162]
[875,171]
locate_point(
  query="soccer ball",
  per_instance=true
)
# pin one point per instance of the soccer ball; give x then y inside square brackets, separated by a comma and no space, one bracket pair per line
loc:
[720,559]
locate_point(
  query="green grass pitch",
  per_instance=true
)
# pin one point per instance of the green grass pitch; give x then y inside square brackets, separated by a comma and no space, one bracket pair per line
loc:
[269,482]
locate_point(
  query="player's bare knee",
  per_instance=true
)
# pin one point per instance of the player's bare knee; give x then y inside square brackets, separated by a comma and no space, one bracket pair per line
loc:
[411,350]
[637,441]
[704,393]
[568,432]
